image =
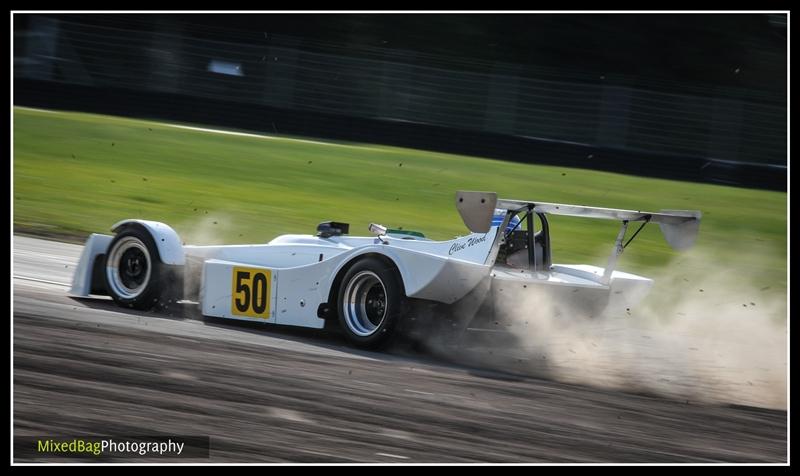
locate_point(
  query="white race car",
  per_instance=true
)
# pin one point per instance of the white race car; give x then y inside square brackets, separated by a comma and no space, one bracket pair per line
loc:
[369,284]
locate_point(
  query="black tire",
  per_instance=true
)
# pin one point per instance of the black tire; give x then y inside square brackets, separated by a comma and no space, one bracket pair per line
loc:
[374,322]
[134,275]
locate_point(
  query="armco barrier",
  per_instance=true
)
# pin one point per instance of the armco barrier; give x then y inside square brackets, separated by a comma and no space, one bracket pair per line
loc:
[270,120]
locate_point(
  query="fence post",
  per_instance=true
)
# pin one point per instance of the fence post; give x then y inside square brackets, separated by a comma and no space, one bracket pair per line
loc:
[165,56]
[397,79]
[41,45]
[613,116]
[724,129]
[501,103]
[281,68]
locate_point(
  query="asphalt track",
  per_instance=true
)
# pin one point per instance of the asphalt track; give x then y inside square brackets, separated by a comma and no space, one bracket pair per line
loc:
[266,394]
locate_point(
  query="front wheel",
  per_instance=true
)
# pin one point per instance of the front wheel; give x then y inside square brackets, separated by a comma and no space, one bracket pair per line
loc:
[371,303]
[135,275]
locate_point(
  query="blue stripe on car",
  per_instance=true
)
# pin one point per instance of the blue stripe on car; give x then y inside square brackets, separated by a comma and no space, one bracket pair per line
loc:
[497,220]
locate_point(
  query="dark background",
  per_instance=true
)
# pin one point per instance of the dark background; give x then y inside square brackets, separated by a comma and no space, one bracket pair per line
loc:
[688,96]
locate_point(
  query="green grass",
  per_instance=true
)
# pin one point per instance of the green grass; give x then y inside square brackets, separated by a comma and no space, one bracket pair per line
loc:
[80,173]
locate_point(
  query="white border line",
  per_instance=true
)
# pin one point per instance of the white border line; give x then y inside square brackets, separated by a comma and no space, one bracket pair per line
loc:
[11,216]
[260,136]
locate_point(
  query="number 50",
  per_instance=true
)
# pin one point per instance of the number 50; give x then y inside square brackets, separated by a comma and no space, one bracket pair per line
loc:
[251,292]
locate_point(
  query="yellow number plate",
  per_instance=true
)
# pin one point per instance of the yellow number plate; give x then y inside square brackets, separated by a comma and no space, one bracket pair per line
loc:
[252,288]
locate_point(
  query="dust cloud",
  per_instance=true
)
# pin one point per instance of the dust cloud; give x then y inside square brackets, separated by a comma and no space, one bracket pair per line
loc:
[210,229]
[705,334]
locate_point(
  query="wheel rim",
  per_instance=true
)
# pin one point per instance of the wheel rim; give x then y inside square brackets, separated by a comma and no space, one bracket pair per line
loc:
[128,267]
[364,303]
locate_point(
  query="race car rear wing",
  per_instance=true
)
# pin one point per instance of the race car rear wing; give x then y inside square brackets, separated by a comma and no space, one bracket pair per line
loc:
[679,227]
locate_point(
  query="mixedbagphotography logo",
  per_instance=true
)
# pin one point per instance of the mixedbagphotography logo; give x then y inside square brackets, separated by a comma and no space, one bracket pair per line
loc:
[114,447]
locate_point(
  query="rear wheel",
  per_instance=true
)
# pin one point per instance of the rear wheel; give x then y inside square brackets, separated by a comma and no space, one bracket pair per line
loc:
[371,303]
[135,276]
